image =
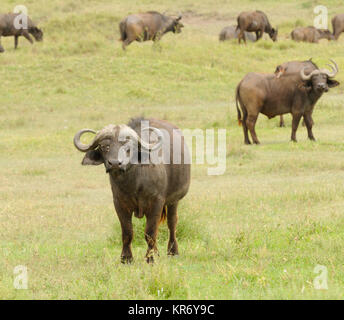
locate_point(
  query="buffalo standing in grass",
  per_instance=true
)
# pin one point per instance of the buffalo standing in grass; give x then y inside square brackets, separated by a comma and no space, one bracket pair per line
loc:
[140,186]
[232,32]
[255,21]
[147,26]
[311,34]
[8,29]
[294,67]
[338,25]
[295,93]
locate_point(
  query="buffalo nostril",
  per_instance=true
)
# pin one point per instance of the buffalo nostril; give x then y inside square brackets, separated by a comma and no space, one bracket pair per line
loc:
[114,162]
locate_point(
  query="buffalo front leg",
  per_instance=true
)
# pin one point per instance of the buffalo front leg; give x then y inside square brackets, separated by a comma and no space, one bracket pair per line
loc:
[251,123]
[309,124]
[27,36]
[1,47]
[151,230]
[295,125]
[16,42]
[172,218]
[125,218]
[282,124]
[126,43]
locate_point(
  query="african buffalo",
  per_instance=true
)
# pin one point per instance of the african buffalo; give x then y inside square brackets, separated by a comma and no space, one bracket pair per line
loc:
[232,32]
[295,93]
[311,34]
[8,28]
[139,184]
[151,25]
[294,67]
[338,25]
[255,21]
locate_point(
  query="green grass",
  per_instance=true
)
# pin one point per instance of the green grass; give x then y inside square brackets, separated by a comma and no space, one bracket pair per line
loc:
[256,232]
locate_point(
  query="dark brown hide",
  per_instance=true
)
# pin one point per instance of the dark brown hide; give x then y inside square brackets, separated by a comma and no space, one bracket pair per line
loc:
[150,190]
[232,32]
[255,21]
[8,29]
[290,93]
[338,25]
[147,26]
[311,34]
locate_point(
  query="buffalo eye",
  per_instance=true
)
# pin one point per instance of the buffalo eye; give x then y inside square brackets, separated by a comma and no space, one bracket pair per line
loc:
[105,148]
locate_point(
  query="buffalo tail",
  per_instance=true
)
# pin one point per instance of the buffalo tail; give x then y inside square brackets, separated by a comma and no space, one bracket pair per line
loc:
[237,101]
[163,215]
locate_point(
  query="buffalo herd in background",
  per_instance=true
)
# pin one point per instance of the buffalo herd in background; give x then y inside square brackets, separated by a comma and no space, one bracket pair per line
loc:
[155,190]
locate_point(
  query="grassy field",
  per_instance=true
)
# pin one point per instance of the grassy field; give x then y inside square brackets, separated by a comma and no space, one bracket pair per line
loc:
[255,232]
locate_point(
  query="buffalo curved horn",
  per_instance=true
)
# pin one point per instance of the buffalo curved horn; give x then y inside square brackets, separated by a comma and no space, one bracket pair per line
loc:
[129,132]
[152,146]
[304,77]
[79,145]
[334,68]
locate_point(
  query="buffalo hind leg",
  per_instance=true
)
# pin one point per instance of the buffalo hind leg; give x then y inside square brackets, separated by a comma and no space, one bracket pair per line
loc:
[309,124]
[295,125]
[151,230]
[251,123]
[282,124]
[172,218]
[241,36]
[244,127]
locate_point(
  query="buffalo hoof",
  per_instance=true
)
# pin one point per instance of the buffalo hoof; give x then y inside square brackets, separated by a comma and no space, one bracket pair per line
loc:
[282,125]
[150,259]
[127,260]
[2,50]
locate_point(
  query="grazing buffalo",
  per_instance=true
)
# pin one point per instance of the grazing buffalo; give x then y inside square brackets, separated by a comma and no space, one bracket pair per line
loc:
[255,21]
[295,93]
[231,32]
[147,26]
[8,28]
[294,67]
[139,184]
[338,25]
[311,34]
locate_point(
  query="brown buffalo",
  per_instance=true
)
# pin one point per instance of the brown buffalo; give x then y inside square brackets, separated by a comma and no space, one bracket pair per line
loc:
[8,28]
[151,25]
[311,34]
[255,21]
[231,32]
[294,67]
[295,93]
[338,25]
[139,184]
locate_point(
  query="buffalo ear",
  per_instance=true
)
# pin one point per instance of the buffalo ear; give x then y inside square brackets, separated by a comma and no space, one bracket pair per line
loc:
[92,157]
[332,83]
